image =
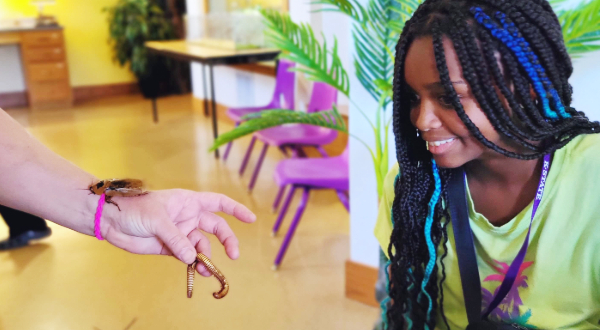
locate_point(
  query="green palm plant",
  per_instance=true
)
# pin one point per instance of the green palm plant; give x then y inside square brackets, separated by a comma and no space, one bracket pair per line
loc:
[376,28]
[580,26]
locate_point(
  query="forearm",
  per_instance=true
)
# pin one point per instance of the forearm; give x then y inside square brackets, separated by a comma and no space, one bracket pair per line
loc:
[38,181]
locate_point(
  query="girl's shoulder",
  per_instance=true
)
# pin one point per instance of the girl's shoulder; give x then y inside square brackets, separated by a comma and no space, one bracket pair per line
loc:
[584,150]
[580,162]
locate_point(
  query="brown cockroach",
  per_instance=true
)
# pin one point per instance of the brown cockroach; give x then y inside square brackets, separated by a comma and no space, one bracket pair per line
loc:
[118,187]
[191,271]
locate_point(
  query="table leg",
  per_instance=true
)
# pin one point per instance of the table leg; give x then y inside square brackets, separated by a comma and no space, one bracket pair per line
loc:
[205,93]
[214,107]
[154,110]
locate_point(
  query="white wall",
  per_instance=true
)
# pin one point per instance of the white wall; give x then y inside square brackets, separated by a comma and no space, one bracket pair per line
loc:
[11,70]
[235,88]
[586,86]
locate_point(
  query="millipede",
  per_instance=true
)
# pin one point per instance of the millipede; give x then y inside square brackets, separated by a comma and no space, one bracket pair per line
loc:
[191,271]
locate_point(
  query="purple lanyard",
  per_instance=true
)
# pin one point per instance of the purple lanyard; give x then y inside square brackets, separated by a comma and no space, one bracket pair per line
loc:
[513,270]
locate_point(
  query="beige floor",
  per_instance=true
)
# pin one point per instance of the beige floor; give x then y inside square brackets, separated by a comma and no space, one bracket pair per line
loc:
[71,281]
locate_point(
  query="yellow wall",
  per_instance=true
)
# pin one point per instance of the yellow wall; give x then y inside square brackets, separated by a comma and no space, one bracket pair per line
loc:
[241,4]
[86,35]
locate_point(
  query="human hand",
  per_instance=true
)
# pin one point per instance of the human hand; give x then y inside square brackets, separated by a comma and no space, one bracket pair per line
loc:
[173,222]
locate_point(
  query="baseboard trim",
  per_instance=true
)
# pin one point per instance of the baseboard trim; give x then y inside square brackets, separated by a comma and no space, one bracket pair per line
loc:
[88,93]
[360,283]
[13,100]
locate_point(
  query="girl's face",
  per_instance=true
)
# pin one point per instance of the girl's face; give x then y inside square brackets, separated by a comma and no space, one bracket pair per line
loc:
[448,139]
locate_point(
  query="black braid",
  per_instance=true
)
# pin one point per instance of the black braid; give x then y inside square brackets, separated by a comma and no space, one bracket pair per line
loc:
[470,57]
[543,49]
[523,123]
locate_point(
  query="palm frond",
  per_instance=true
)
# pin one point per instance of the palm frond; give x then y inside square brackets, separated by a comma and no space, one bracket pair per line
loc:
[351,8]
[404,9]
[374,41]
[271,118]
[581,28]
[299,44]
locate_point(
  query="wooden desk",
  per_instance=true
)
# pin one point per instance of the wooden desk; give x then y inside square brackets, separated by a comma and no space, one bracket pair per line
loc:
[45,64]
[191,52]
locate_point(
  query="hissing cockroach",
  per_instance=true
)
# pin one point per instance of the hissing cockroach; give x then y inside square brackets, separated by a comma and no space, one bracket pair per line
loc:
[118,187]
[191,271]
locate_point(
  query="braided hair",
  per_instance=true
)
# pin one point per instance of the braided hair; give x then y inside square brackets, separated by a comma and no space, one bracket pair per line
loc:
[527,35]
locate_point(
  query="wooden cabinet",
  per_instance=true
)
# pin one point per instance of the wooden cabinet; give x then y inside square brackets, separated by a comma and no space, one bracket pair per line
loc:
[46,69]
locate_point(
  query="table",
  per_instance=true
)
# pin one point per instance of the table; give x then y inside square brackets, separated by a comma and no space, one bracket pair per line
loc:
[192,52]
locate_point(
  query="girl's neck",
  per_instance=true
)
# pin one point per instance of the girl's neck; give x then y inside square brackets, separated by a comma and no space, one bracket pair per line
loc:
[502,187]
[503,170]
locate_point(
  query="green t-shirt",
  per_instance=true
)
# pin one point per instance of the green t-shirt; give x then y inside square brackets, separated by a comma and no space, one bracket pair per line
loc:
[559,282]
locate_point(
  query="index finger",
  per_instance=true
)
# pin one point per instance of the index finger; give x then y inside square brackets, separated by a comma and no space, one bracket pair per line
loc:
[213,202]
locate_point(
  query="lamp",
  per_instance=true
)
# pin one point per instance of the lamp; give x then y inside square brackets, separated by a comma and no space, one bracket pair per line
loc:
[44,20]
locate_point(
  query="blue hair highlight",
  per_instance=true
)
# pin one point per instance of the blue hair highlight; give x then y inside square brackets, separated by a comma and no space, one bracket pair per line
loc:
[428,224]
[514,31]
[385,302]
[522,56]
[430,247]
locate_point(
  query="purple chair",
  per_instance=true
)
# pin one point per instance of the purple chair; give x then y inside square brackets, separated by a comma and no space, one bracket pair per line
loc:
[284,88]
[308,174]
[295,136]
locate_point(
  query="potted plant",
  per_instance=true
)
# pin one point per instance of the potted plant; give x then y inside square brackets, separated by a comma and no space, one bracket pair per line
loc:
[131,24]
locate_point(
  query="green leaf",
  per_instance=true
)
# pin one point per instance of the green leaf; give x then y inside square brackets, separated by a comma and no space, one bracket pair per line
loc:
[299,44]
[351,8]
[271,118]
[581,27]
[374,40]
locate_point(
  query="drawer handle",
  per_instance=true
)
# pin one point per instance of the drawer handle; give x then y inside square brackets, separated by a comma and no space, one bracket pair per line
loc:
[60,65]
[57,51]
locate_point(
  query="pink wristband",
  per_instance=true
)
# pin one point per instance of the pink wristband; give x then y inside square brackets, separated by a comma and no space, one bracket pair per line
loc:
[99,216]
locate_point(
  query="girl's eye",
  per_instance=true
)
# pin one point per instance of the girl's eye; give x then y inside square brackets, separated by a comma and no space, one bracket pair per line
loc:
[413,99]
[446,101]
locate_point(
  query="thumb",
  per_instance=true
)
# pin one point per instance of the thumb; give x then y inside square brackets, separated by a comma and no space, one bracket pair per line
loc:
[176,242]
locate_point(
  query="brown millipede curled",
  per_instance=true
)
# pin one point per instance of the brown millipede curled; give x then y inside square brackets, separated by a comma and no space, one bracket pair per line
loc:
[191,271]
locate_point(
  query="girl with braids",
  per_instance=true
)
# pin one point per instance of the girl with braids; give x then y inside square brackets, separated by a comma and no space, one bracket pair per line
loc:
[481,92]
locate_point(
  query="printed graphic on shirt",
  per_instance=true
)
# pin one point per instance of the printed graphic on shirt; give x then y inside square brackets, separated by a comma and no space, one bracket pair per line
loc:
[508,310]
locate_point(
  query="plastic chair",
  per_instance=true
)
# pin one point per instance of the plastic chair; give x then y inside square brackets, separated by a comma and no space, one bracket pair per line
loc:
[295,136]
[309,174]
[284,89]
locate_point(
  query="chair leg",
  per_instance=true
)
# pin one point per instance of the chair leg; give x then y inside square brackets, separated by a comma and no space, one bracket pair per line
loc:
[343,196]
[227,150]
[284,151]
[247,156]
[292,229]
[278,198]
[301,152]
[229,146]
[283,210]
[322,151]
[258,166]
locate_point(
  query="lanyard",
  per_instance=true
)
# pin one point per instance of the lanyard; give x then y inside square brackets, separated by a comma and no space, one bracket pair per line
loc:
[465,247]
